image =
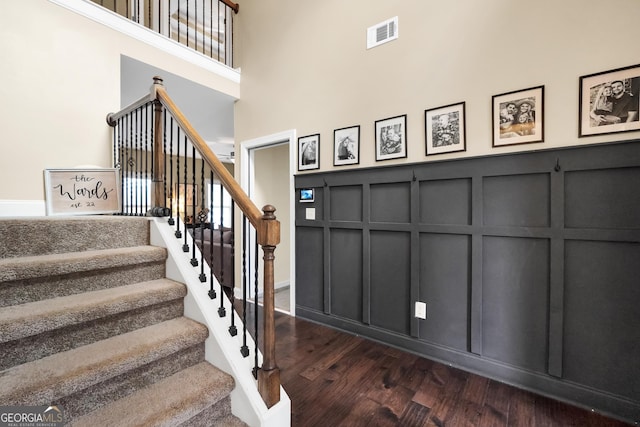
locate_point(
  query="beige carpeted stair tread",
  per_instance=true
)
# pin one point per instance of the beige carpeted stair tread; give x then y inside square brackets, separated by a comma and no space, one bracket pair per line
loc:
[33,318]
[74,262]
[48,235]
[59,375]
[168,402]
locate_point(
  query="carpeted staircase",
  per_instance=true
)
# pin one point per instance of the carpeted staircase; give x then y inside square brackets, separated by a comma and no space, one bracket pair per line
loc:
[89,322]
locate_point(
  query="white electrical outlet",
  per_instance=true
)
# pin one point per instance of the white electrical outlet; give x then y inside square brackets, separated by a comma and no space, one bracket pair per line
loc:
[421,310]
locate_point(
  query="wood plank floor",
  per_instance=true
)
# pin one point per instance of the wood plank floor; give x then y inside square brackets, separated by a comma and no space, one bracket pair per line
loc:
[336,379]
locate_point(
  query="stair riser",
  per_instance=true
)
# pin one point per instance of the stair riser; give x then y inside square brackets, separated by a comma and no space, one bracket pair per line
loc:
[23,291]
[220,410]
[98,395]
[25,350]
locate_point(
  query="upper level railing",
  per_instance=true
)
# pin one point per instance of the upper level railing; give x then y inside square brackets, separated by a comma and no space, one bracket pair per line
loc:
[203,25]
[165,166]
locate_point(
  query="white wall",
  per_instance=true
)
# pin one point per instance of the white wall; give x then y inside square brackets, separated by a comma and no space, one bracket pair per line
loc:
[60,77]
[305,66]
[271,183]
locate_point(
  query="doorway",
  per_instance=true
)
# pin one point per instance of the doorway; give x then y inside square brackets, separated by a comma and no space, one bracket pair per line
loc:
[267,168]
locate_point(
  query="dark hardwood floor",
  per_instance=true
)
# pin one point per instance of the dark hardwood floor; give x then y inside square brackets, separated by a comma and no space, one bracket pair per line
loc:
[336,379]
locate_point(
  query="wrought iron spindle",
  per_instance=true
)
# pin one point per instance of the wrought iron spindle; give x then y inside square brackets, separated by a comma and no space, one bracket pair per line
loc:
[221,311]
[120,125]
[195,26]
[188,23]
[203,220]
[212,291]
[233,330]
[185,245]
[211,28]
[145,160]
[194,261]
[218,31]
[136,165]
[255,307]
[171,220]
[244,350]
[178,233]
[129,192]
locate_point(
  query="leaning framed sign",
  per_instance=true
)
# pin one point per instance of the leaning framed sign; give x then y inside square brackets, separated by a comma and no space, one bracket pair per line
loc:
[610,102]
[81,191]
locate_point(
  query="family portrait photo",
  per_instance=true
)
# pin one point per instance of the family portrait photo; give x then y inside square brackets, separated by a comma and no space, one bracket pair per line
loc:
[391,139]
[445,129]
[610,101]
[518,117]
[308,153]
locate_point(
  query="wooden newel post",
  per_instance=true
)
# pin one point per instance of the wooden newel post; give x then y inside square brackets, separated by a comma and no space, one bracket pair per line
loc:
[269,373]
[158,152]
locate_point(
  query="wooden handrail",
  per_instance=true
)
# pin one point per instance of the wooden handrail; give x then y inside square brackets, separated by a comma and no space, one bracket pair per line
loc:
[268,236]
[112,118]
[234,6]
[230,184]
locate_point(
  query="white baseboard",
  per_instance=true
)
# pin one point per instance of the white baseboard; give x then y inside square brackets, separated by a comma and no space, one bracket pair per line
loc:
[18,208]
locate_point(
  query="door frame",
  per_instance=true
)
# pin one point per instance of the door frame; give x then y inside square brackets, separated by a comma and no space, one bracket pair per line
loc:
[247,179]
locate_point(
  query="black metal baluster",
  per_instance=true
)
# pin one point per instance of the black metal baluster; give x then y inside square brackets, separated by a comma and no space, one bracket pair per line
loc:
[185,246]
[244,350]
[212,291]
[218,32]
[137,163]
[194,215]
[129,165]
[148,179]
[255,307]
[211,28]
[188,17]
[203,220]
[221,311]
[203,28]
[164,166]
[233,330]
[179,13]
[178,233]
[171,221]
[195,25]
[119,164]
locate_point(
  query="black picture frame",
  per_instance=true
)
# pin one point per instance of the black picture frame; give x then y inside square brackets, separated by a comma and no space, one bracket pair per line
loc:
[609,102]
[391,138]
[444,129]
[309,152]
[518,117]
[346,146]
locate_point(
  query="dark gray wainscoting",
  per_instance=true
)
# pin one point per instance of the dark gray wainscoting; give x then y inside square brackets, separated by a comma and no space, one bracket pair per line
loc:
[529,264]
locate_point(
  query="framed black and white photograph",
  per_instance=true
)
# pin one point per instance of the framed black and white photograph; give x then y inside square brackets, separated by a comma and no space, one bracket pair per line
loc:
[609,101]
[346,146]
[309,152]
[444,129]
[518,117]
[391,138]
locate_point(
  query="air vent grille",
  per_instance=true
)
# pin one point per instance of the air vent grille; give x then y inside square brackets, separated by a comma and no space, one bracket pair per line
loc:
[382,33]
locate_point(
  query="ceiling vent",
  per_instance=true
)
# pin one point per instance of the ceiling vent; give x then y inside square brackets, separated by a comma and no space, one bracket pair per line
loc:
[382,32]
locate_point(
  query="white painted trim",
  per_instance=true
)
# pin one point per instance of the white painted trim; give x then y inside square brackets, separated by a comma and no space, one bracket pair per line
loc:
[20,208]
[221,349]
[118,23]
[246,178]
